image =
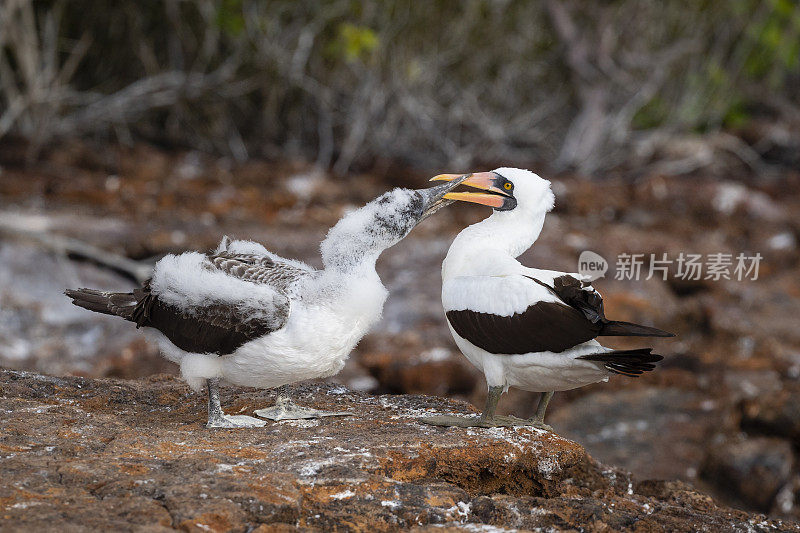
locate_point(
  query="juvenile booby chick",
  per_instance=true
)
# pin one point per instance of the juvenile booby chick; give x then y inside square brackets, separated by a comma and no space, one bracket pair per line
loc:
[525,327]
[248,317]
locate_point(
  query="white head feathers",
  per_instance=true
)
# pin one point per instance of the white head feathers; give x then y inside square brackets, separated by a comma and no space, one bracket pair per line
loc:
[532,192]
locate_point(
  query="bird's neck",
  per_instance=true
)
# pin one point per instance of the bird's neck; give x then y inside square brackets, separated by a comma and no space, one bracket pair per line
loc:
[355,295]
[349,283]
[350,249]
[355,264]
[353,245]
[347,265]
[479,246]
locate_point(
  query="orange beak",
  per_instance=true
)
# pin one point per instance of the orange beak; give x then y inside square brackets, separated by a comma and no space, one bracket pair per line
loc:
[486,181]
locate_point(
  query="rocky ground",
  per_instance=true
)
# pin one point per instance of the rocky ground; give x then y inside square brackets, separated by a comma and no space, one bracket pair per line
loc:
[719,414]
[122,455]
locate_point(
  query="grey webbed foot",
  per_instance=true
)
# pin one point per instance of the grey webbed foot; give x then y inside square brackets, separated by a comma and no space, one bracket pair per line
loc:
[539,424]
[235,421]
[218,419]
[293,411]
[482,422]
[465,421]
[451,421]
[489,420]
[486,420]
[286,409]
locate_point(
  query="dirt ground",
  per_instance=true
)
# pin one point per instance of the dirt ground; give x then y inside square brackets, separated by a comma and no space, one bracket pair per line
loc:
[133,455]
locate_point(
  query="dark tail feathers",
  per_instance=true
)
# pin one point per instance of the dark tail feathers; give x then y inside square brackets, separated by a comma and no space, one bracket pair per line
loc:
[630,363]
[110,303]
[617,328]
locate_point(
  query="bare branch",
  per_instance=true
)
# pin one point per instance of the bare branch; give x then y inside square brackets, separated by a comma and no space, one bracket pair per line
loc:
[68,246]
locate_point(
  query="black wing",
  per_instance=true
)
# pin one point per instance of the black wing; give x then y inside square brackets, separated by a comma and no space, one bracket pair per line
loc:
[573,292]
[542,327]
[218,328]
[222,328]
[546,326]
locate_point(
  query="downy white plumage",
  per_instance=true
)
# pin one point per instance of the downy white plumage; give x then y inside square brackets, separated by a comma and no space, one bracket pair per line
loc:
[245,316]
[525,327]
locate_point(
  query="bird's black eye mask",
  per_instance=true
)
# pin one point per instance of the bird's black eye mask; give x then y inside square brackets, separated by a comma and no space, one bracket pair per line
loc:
[503,187]
[504,184]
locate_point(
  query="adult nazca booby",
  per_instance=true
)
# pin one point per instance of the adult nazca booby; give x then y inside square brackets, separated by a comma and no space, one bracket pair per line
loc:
[525,327]
[245,316]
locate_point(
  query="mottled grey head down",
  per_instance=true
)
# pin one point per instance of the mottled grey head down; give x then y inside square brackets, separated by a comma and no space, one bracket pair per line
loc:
[365,233]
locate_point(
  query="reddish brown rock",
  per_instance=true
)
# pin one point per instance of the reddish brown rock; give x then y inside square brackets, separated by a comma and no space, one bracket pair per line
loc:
[439,372]
[751,470]
[656,432]
[126,455]
[787,501]
[775,414]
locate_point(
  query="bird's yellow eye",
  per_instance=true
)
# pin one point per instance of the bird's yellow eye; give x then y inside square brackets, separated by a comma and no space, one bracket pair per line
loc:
[507,186]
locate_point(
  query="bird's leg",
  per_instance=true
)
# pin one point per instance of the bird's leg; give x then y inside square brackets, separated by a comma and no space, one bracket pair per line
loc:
[218,419]
[486,420]
[537,420]
[487,417]
[286,409]
[282,398]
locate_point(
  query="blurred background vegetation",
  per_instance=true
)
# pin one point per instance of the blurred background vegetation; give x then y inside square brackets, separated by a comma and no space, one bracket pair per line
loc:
[579,84]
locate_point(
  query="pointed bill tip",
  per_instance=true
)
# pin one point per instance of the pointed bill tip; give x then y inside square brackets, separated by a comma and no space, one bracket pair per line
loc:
[447,177]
